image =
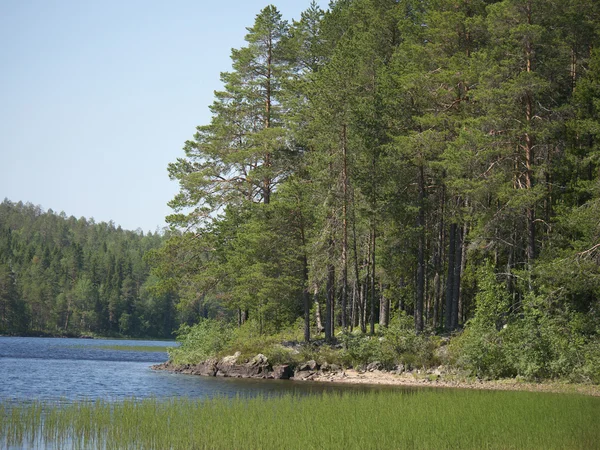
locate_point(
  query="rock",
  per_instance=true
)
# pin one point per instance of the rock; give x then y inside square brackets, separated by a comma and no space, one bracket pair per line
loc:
[281,372]
[231,359]
[325,367]
[400,369]
[375,365]
[259,360]
[206,368]
[435,371]
[309,365]
[303,374]
[258,367]
[334,368]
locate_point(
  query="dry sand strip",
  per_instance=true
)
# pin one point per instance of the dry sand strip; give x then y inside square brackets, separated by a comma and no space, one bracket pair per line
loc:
[377,377]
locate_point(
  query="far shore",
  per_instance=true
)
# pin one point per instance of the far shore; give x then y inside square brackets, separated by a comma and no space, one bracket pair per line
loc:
[85,336]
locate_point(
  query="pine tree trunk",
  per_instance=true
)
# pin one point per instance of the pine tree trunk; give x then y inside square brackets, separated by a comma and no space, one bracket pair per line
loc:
[317,311]
[306,299]
[529,156]
[420,254]
[353,310]
[450,277]
[463,265]
[436,297]
[330,319]
[401,305]
[384,308]
[456,278]
[344,229]
[373,281]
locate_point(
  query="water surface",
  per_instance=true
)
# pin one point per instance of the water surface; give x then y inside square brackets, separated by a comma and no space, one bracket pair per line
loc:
[55,369]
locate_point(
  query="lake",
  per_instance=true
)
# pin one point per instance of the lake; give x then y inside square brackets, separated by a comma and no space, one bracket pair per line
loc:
[66,370]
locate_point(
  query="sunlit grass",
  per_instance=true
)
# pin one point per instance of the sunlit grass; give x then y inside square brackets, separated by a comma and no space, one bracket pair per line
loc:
[425,419]
[133,348]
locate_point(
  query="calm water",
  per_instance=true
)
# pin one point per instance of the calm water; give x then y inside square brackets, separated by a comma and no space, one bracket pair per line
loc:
[57,369]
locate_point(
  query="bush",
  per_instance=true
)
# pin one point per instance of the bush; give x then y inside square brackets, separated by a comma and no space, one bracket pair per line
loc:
[536,342]
[397,344]
[201,341]
[401,343]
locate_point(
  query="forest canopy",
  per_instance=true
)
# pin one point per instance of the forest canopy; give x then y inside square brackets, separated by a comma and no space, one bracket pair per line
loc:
[431,159]
[374,168]
[65,276]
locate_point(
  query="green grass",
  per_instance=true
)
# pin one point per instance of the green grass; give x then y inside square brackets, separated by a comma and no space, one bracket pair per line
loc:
[133,348]
[423,419]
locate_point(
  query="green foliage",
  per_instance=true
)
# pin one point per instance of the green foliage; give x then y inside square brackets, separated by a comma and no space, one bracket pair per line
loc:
[532,343]
[202,341]
[66,276]
[396,344]
[440,156]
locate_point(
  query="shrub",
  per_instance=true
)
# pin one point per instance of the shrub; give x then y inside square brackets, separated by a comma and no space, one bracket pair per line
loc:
[201,341]
[401,343]
[396,344]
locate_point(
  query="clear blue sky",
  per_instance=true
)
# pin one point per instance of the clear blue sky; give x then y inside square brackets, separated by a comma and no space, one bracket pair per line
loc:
[97,97]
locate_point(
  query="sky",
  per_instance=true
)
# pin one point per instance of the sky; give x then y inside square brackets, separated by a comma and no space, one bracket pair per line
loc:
[97,97]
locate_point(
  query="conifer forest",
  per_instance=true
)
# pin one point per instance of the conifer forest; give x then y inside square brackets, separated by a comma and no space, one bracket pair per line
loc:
[425,166]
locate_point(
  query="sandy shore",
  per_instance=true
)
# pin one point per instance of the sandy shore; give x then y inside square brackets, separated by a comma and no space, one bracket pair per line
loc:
[377,377]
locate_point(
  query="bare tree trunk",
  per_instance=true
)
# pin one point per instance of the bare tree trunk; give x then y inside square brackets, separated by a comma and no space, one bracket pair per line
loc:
[529,156]
[456,281]
[306,299]
[353,310]
[384,308]
[450,277]
[317,311]
[437,282]
[363,308]
[420,254]
[330,303]
[436,297]
[463,265]
[373,281]
[344,228]
[401,305]
[358,287]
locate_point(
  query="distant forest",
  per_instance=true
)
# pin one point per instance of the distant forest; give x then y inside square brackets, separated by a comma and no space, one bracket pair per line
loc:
[65,276]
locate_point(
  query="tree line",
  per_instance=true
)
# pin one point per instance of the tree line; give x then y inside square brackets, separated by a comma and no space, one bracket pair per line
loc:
[65,276]
[432,158]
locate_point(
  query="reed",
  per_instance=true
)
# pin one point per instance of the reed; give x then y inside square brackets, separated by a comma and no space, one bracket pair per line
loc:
[133,348]
[421,419]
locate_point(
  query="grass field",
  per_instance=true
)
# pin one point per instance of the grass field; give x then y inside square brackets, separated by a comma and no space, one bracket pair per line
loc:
[422,419]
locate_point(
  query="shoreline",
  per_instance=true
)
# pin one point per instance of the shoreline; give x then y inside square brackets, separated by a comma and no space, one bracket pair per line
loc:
[381,378]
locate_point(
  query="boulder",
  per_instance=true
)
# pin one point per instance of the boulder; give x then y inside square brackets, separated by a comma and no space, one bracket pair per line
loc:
[206,368]
[231,359]
[309,365]
[259,360]
[257,367]
[375,365]
[304,374]
[400,369]
[281,372]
